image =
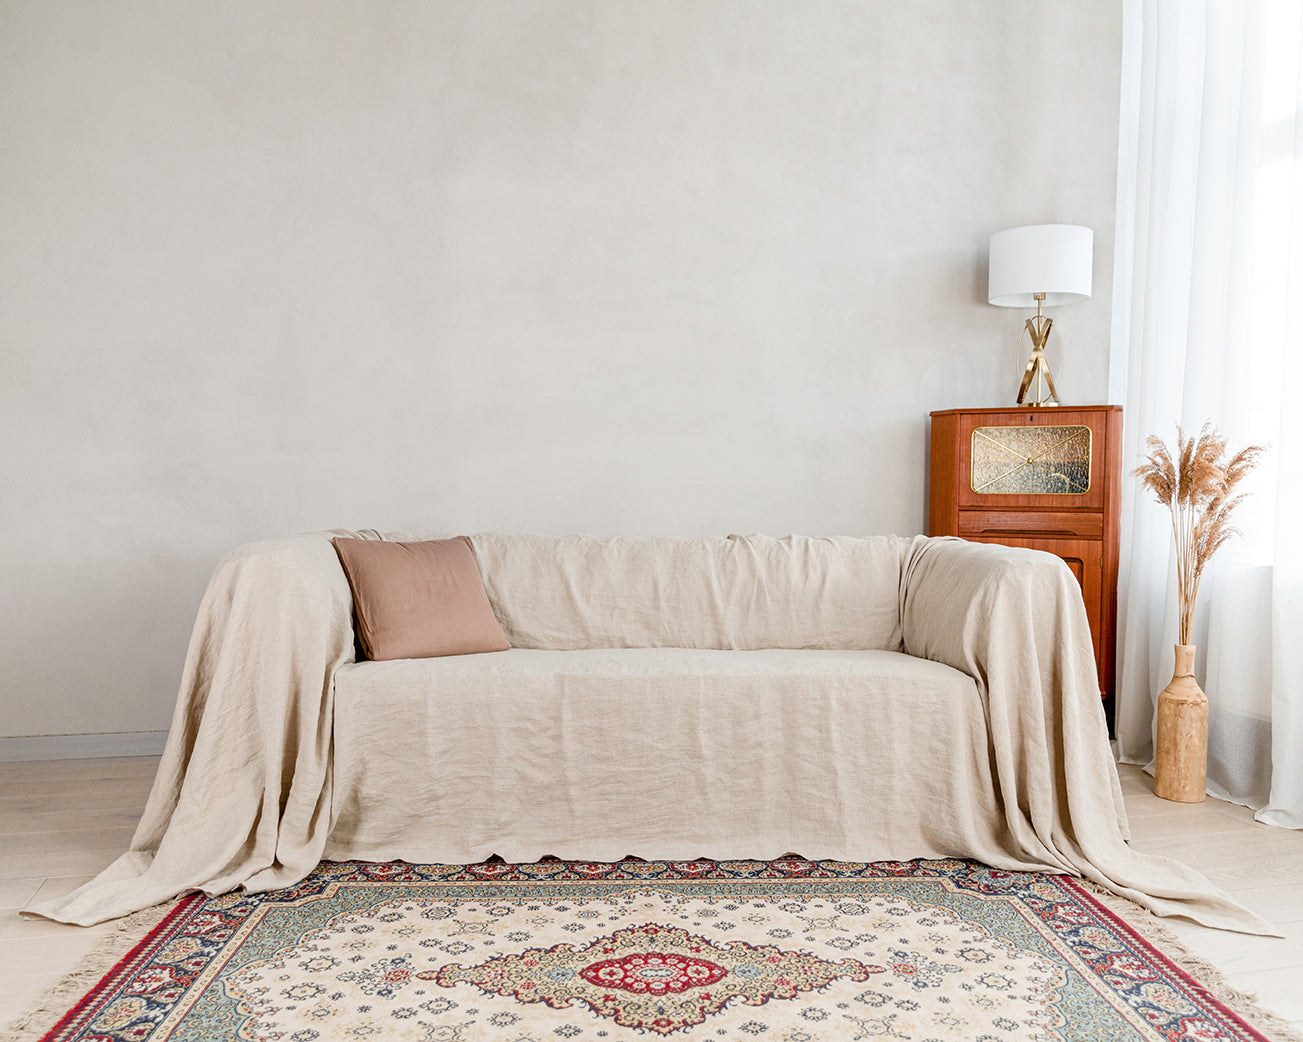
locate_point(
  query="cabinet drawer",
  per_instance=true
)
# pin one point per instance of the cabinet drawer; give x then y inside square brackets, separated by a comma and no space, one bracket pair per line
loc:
[1086,524]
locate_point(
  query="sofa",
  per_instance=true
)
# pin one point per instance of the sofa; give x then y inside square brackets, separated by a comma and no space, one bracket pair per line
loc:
[850,699]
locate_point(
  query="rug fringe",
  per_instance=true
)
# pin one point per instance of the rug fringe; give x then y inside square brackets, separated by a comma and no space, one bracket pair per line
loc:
[60,997]
[1244,1004]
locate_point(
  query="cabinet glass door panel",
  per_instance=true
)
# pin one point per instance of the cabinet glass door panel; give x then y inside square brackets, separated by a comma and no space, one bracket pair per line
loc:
[1032,460]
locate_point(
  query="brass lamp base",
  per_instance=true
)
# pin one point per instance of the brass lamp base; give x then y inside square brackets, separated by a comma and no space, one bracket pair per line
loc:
[1039,330]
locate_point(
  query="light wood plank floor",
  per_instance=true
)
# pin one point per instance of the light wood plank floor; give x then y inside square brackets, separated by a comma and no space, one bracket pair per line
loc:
[61,821]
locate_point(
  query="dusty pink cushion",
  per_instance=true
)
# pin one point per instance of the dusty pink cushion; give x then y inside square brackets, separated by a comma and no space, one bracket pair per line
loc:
[419,600]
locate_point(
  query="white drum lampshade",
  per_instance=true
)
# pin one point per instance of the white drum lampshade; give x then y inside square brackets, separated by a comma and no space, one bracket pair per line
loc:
[1053,259]
[1040,265]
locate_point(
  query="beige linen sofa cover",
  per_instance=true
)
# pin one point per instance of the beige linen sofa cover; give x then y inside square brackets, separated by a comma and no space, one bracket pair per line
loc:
[849,699]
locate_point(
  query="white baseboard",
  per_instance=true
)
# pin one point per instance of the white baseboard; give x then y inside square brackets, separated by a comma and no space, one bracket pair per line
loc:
[82,746]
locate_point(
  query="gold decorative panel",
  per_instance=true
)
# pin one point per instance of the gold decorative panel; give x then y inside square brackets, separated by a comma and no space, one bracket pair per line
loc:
[1031,460]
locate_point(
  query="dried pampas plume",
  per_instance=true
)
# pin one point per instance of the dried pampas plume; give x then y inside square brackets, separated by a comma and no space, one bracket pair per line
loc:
[1197,487]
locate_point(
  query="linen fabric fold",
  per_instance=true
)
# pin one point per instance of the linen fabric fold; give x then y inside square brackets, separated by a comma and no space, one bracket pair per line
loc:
[1014,620]
[242,794]
[264,773]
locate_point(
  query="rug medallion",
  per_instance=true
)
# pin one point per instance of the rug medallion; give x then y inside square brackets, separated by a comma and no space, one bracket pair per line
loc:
[782,951]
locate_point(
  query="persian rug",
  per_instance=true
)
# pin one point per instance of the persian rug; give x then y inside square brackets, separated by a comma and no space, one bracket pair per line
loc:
[782,951]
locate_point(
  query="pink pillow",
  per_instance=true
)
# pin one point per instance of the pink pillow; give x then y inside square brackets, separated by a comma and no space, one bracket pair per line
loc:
[419,600]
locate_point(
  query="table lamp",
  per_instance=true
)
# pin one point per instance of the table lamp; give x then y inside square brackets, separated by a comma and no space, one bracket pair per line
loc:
[1045,265]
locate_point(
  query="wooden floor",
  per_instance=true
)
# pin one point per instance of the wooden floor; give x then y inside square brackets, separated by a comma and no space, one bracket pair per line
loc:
[62,821]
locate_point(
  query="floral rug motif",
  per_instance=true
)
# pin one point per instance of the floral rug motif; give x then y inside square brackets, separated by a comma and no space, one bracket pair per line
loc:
[668,983]
[782,951]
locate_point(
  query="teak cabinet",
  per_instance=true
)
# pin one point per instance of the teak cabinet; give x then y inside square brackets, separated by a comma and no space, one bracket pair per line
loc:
[1043,478]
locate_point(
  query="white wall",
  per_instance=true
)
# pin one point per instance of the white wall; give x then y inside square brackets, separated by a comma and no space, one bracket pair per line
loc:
[672,267]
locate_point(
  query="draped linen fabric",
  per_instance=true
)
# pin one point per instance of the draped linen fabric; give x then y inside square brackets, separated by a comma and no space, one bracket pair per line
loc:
[1208,325]
[739,593]
[671,753]
[968,726]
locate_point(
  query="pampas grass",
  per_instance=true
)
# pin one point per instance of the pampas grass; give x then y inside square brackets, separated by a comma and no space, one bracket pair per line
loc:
[1197,485]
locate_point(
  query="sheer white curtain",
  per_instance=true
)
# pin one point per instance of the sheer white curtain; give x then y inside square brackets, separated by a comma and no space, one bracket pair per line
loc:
[1209,326]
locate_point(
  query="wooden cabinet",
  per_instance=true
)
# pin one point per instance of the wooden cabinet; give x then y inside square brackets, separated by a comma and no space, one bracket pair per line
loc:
[1044,478]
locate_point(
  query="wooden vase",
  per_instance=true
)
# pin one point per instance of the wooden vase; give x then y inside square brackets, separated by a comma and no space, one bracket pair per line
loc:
[1181,772]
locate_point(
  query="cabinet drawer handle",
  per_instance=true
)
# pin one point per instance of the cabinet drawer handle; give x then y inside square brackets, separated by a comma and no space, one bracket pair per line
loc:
[1026,533]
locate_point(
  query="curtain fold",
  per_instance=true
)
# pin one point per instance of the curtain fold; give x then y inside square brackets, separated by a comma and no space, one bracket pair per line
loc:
[1208,326]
